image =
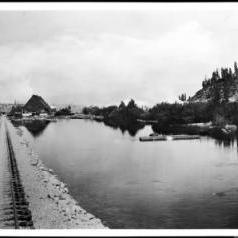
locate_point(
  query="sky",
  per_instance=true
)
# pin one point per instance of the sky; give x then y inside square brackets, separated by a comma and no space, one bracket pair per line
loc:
[101,56]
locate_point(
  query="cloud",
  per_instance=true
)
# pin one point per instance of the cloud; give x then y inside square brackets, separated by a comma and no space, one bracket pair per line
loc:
[104,68]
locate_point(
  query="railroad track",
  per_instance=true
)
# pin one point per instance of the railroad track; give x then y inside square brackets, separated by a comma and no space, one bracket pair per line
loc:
[14,207]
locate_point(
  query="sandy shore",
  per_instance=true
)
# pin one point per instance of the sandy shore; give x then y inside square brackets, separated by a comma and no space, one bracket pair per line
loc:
[50,202]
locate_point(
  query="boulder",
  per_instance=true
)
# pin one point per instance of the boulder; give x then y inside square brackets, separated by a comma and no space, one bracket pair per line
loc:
[54,181]
[34,162]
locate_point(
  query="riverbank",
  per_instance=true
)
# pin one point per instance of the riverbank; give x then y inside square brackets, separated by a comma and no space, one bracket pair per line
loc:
[55,118]
[49,200]
[224,132]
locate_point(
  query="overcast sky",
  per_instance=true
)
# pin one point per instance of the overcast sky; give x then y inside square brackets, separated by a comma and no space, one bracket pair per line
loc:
[105,56]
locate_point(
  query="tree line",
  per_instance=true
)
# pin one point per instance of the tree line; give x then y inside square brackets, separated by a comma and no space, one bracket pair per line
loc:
[217,108]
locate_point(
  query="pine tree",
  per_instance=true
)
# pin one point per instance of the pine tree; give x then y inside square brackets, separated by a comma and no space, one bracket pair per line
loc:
[122,105]
[216,95]
[236,71]
[183,97]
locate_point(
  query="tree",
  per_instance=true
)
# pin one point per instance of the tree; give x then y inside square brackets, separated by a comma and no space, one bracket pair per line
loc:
[122,105]
[85,111]
[183,97]
[219,120]
[236,70]
[131,104]
[65,111]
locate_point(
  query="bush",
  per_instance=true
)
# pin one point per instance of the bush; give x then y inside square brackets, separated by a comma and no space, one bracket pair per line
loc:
[219,120]
[64,112]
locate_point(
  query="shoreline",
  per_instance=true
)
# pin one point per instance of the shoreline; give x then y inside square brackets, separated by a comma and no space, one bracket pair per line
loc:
[50,202]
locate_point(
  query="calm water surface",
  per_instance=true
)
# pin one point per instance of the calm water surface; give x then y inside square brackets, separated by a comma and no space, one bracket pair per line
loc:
[133,184]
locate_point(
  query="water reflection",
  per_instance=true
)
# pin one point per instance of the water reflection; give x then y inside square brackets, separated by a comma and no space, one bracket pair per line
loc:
[35,127]
[132,128]
[226,142]
[220,138]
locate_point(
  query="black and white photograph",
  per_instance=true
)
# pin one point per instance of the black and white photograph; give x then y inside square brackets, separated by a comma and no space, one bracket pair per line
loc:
[119,116]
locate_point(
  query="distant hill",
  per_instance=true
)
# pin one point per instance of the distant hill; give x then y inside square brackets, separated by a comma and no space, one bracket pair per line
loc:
[36,104]
[221,87]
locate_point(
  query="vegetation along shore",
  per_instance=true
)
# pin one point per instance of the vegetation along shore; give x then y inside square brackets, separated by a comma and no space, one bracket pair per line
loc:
[213,110]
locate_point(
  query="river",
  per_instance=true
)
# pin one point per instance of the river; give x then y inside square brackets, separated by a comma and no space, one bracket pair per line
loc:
[133,184]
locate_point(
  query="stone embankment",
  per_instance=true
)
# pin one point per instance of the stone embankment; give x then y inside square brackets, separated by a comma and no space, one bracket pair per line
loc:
[49,200]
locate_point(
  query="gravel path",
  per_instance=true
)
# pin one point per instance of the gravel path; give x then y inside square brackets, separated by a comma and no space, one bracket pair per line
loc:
[50,202]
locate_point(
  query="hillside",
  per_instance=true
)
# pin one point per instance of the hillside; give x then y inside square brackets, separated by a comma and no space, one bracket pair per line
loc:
[36,104]
[221,87]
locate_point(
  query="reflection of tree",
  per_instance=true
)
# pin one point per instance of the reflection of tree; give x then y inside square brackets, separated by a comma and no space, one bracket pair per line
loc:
[35,127]
[225,142]
[131,127]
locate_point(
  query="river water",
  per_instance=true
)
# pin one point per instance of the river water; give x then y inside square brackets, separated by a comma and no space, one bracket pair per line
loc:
[133,184]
